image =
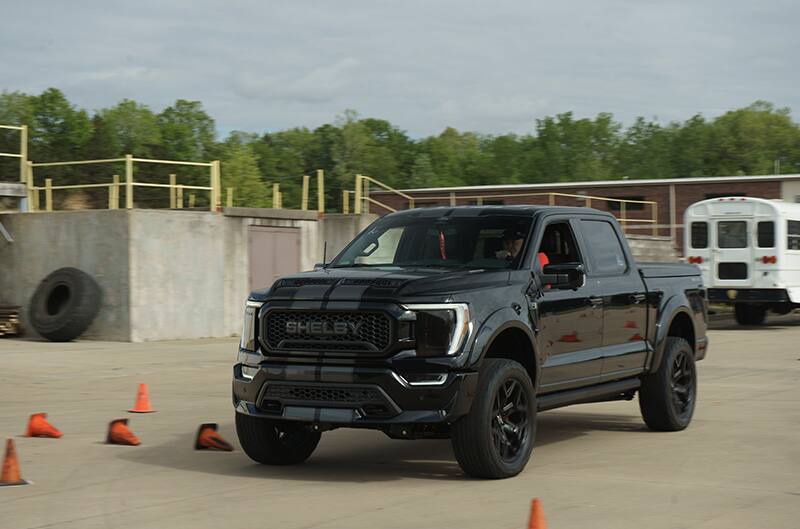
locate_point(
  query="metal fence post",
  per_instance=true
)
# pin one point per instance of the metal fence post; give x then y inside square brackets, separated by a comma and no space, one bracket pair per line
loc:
[33,194]
[216,187]
[622,215]
[191,200]
[276,190]
[452,198]
[23,153]
[357,196]
[116,191]
[320,191]
[229,198]
[345,202]
[48,194]
[128,181]
[172,180]
[179,197]
[304,200]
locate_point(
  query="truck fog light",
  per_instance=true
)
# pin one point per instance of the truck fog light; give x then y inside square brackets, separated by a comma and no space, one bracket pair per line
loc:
[249,372]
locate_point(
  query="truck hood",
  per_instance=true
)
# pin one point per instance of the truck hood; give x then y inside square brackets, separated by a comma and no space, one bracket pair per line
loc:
[347,284]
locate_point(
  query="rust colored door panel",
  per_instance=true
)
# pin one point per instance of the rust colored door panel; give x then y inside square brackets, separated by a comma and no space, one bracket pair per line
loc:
[273,252]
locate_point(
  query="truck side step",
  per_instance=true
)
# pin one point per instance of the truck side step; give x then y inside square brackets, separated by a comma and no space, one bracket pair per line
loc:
[617,390]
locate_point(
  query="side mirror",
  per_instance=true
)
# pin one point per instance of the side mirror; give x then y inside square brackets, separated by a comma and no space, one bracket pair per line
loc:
[563,276]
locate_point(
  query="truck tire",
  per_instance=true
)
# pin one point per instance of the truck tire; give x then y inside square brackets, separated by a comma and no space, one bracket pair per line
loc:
[495,439]
[64,304]
[272,442]
[747,314]
[668,396]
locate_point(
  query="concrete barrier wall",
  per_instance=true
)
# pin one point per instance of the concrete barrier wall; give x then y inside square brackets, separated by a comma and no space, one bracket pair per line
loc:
[164,274]
[338,230]
[93,241]
[177,271]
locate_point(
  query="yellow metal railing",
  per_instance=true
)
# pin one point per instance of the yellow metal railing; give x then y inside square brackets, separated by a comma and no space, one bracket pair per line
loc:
[23,150]
[362,198]
[551,197]
[175,190]
[277,194]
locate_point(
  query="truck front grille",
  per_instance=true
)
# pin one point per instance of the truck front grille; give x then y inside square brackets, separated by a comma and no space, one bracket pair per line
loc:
[370,401]
[327,331]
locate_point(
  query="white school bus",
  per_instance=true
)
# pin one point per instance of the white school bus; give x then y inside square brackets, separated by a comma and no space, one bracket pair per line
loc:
[748,250]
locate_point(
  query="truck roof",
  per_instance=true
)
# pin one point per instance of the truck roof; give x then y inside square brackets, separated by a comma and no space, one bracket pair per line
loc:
[475,211]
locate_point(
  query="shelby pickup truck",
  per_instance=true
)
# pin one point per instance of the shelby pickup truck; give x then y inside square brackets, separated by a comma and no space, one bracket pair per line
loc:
[464,323]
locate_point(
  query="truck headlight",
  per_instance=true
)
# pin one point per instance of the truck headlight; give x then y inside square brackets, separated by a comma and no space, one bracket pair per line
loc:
[440,328]
[248,341]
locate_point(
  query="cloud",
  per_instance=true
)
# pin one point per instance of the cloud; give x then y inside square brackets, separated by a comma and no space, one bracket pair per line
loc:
[493,67]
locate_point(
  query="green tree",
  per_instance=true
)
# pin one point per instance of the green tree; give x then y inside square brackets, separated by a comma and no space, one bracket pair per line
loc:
[187,132]
[131,128]
[422,172]
[240,171]
[750,140]
[57,130]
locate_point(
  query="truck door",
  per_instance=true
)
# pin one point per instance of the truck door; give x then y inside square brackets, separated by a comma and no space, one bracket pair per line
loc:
[570,321]
[624,299]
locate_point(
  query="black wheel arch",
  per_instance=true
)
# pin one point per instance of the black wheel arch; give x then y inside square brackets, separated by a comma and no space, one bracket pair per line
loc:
[500,332]
[677,319]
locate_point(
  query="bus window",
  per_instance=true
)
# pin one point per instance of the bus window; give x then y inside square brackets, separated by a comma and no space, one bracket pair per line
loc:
[732,234]
[699,235]
[793,235]
[766,234]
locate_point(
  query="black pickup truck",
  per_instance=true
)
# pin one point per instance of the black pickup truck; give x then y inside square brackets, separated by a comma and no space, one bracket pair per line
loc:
[463,323]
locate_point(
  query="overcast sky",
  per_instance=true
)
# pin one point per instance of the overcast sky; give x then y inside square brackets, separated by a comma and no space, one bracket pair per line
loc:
[492,66]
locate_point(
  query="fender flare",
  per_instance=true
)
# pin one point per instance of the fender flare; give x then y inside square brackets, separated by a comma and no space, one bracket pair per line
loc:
[501,320]
[673,306]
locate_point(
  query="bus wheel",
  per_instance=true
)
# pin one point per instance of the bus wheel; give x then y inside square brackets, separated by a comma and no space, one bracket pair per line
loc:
[749,314]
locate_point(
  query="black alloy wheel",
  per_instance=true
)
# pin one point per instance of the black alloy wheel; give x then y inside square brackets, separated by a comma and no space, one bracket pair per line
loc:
[668,397]
[682,384]
[510,421]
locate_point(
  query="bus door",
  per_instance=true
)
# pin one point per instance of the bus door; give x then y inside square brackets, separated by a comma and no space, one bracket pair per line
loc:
[732,258]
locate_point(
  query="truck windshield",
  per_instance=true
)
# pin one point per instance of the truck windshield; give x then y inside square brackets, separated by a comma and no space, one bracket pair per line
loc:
[458,242]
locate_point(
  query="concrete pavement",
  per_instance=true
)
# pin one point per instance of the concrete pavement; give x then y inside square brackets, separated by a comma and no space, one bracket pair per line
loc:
[594,465]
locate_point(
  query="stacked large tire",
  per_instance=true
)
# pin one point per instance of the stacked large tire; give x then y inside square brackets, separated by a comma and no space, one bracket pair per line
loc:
[64,304]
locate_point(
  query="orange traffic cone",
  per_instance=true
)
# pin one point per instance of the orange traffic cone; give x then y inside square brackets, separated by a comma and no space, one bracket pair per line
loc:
[39,427]
[537,516]
[119,434]
[142,401]
[11,475]
[208,438]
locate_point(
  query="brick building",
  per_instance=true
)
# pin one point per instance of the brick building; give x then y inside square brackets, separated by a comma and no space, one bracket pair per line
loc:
[664,218]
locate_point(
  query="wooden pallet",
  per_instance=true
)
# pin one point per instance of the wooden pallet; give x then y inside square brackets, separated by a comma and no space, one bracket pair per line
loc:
[9,321]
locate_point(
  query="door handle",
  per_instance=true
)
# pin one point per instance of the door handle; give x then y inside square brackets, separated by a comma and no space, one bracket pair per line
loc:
[595,301]
[637,298]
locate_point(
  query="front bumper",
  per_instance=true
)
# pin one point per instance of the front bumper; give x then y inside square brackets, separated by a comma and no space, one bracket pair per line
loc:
[349,395]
